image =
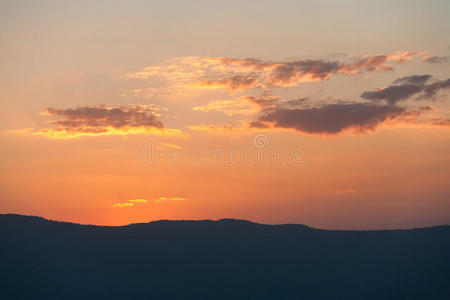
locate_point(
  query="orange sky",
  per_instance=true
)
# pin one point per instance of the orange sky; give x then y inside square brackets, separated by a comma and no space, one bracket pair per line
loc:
[88,99]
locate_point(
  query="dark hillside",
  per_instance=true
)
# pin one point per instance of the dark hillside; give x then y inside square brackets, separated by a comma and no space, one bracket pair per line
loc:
[225,259]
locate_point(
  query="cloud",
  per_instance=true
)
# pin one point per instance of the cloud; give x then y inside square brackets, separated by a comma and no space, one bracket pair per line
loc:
[202,73]
[246,63]
[379,62]
[414,79]
[138,200]
[104,120]
[241,106]
[291,73]
[236,82]
[162,199]
[259,124]
[132,202]
[262,102]
[432,59]
[431,90]
[406,87]
[123,204]
[248,105]
[329,119]
[393,94]
[129,203]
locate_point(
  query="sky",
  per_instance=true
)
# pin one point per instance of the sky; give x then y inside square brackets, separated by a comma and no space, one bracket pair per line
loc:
[333,114]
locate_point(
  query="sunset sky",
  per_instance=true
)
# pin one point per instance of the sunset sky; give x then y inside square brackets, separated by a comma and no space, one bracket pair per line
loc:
[117,112]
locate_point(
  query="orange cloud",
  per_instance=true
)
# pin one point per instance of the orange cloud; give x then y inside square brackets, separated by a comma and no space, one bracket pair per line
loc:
[129,203]
[162,199]
[123,204]
[61,133]
[241,106]
[138,200]
[236,82]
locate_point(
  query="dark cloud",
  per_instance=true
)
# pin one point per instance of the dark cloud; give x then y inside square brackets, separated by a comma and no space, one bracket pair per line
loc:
[295,103]
[431,90]
[263,102]
[394,93]
[436,59]
[292,72]
[104,120]
[97,117]
[407,87]
[413,79]
[330,119]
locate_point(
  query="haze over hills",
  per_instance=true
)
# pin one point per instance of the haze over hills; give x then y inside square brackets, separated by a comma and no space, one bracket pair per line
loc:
[224,259]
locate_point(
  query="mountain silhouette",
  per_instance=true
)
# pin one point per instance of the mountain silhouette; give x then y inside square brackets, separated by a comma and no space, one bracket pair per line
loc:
[224,259]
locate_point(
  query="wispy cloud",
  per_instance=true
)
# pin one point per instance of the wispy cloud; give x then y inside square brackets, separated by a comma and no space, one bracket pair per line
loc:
[235,82]
[138,201]
[129,203]
[133,202]
[194,73]
[123,204]
[241,106]
[162,199]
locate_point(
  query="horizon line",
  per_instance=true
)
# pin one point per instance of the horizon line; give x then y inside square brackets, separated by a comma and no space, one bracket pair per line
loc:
[219,220]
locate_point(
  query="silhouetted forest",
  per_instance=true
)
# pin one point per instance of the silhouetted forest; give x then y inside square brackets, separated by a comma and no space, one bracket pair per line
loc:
[225,259]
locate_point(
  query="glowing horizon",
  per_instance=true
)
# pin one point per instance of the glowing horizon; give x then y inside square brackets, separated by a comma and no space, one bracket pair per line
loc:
[260,113]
